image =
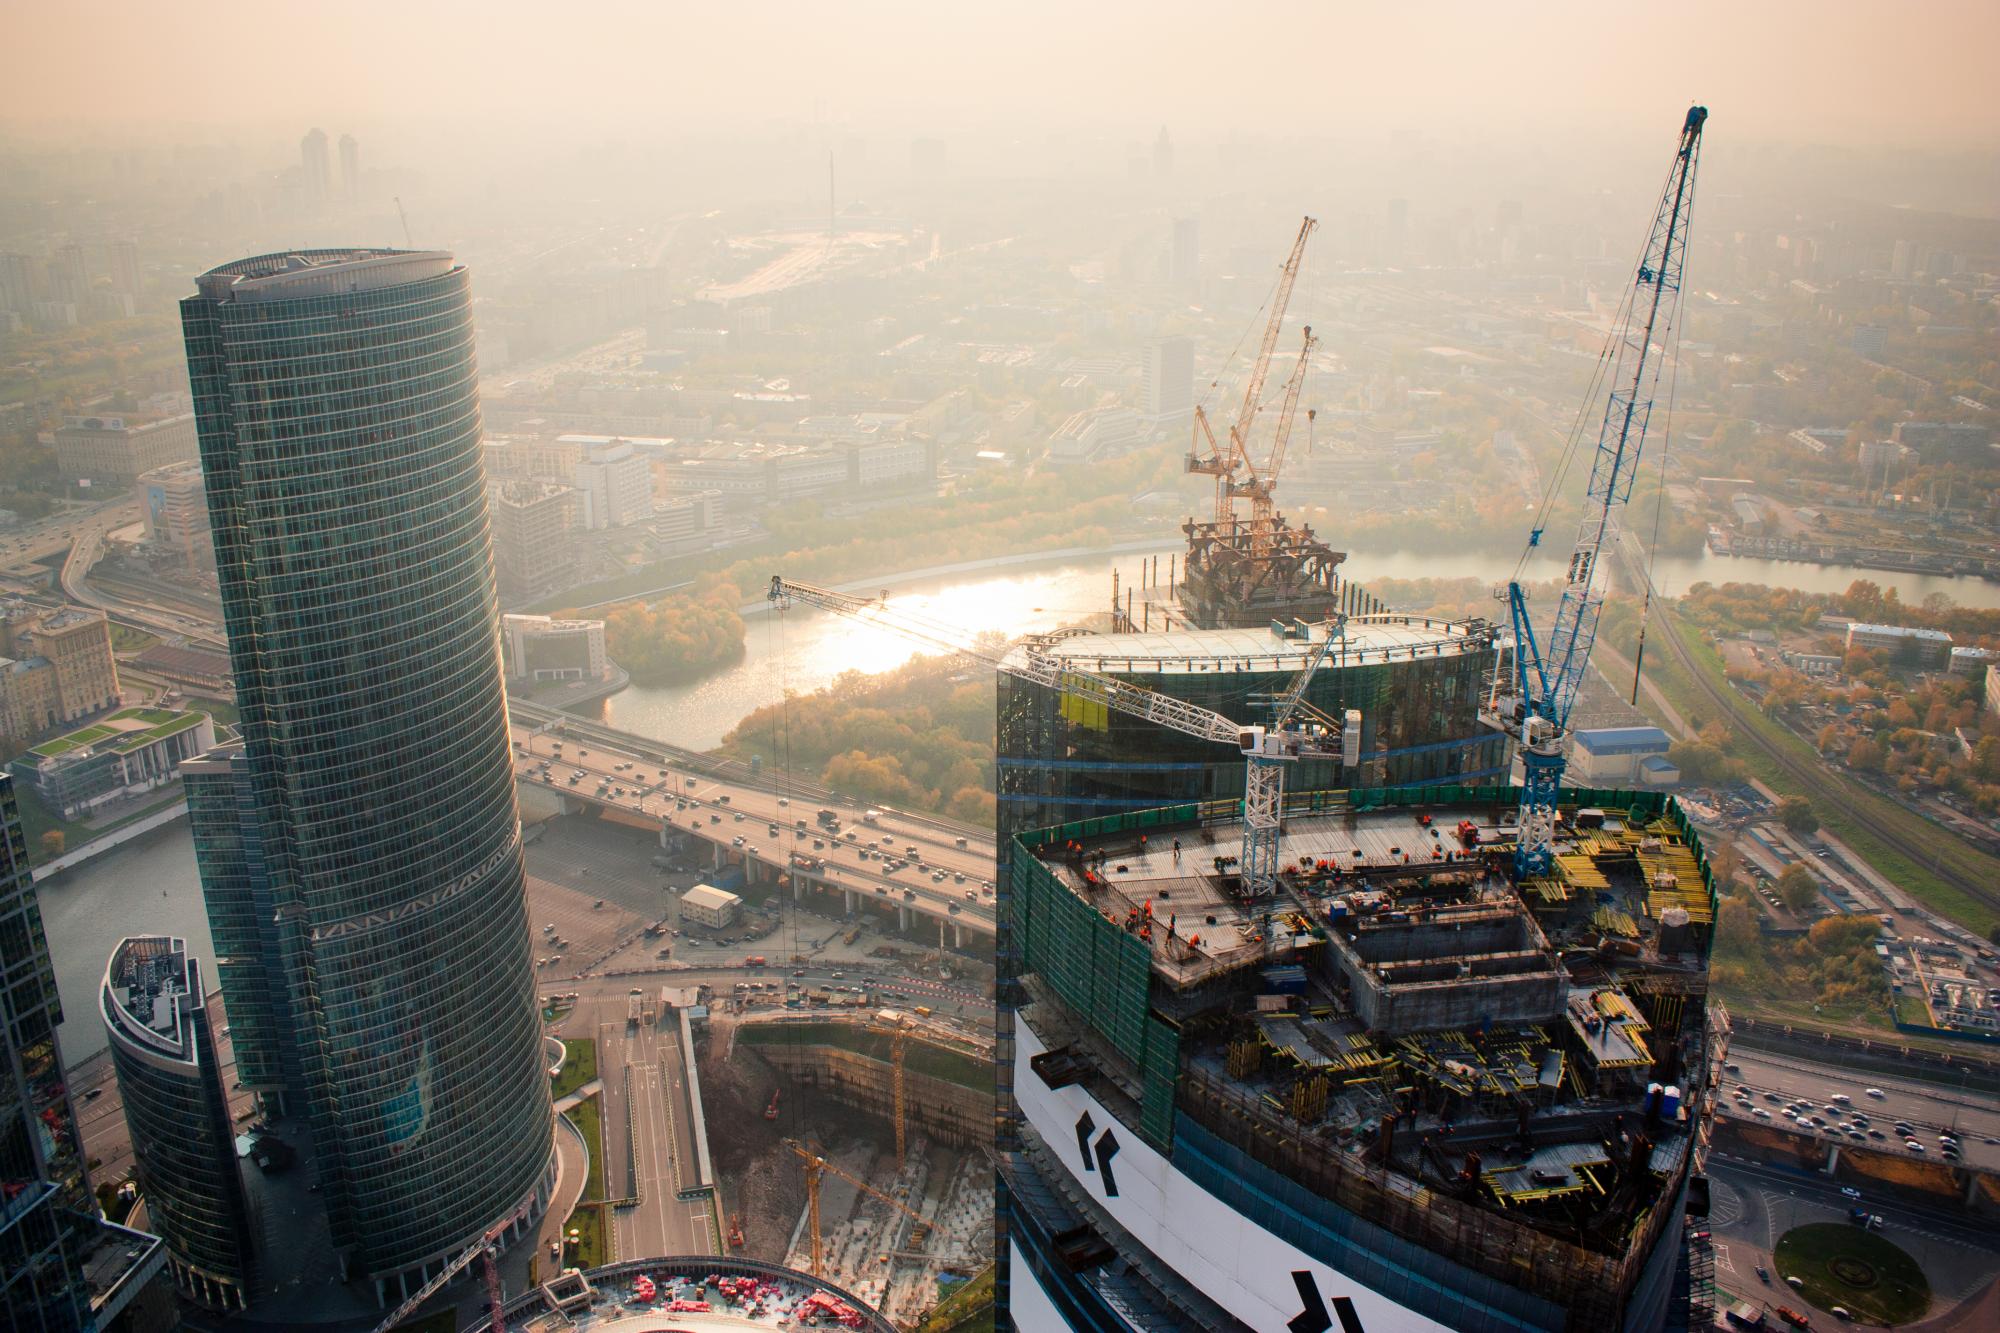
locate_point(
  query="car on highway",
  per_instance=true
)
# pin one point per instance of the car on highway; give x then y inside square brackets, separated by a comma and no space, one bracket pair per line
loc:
[1874,1092]
[1760,1113]
[1913,1145]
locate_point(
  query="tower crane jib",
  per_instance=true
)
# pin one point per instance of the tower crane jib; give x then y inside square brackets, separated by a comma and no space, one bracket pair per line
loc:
[1549,674]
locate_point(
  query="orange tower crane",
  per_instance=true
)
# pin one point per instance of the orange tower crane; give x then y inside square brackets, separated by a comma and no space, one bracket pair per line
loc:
[1224,466]
[817,1167]
[1264,522]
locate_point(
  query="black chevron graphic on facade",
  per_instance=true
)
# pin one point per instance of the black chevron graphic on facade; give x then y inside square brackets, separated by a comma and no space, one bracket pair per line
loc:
[1084,1126]
[1107,1148]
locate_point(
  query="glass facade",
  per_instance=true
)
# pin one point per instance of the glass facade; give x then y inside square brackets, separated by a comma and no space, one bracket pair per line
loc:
[1056,762]
[163,1049]
[44,1196]
[371,887]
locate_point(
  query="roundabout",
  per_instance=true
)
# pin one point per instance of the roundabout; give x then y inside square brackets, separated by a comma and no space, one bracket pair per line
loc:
[1839,1264]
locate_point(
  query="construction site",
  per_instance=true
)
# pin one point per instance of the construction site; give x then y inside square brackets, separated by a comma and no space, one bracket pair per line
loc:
[859,1149]
[1506,1069]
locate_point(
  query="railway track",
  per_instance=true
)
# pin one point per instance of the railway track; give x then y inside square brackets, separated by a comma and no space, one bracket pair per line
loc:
[1952,860]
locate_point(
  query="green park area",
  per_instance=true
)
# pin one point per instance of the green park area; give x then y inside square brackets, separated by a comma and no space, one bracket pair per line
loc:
[587,1116]
[1837,1263]
[589,1250]
[578,1068]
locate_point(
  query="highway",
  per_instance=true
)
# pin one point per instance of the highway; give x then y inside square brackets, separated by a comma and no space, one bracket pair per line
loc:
[945,881]
[87,547]
[1777,1081]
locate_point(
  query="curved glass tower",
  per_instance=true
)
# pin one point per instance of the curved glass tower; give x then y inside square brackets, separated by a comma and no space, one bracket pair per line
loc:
[163,1049]
[371,912]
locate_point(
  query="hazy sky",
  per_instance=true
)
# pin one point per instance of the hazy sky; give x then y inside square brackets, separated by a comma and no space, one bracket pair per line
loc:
[1859,71]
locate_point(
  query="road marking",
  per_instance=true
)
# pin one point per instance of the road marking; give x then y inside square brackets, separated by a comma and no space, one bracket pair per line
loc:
[1722,1259]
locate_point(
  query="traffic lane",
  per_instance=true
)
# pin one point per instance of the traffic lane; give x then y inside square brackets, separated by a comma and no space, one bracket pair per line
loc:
[747,807]
[691,1217]
[1948,1101]
[1753,1205]
[1877,1133]
[768,807]
[1825,1191]
[864,877]
[951,890]
[722,980]
[1972,1120]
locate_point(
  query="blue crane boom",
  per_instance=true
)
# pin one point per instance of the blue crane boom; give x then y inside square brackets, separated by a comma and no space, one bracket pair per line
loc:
[1548,677]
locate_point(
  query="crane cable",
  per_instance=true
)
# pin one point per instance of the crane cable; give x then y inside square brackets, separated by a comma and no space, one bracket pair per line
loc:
[785,731]
[1671,346]
[1215,385]
[1605,362]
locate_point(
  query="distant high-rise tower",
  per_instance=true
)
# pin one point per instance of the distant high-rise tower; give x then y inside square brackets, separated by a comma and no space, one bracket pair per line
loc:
[17,283]
[318,170]
[125,266]
[155,1013]
[365,883]
[1163,155]
[350,168]
[1166,388]
[1186,270]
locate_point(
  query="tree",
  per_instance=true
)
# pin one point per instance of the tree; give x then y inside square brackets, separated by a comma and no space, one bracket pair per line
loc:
[53,843]
[1797,888]
[1736,927]
[1865,756]
[1796,814]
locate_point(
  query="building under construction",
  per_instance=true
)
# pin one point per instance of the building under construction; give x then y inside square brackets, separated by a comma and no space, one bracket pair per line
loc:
[1410,1091]
[1413,682]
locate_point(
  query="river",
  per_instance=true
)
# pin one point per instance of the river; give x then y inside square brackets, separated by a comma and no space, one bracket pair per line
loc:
[147,886]
[805,648]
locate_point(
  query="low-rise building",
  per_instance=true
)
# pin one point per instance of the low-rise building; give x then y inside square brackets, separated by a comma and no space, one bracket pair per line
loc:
[56,666]
[110,453]
[1097,433]
[175,504]
[1972,663]
[1617,757]
[615,485]
[1813,664]
[682,518]
[1906,645]
[706,905]
[534,535]
[1993,690]
[538,649]
[200,668]
[128,753]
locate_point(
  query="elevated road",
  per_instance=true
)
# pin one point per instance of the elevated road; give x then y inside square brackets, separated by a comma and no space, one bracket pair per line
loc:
[769,825]
[1777,1081]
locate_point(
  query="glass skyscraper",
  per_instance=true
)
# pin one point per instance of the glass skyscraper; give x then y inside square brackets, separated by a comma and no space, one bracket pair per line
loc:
[155,1013]
[362,854]
[62,1268]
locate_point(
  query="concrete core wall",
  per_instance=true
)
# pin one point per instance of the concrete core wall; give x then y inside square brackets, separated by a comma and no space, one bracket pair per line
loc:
[944,1111]
[1412,976]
